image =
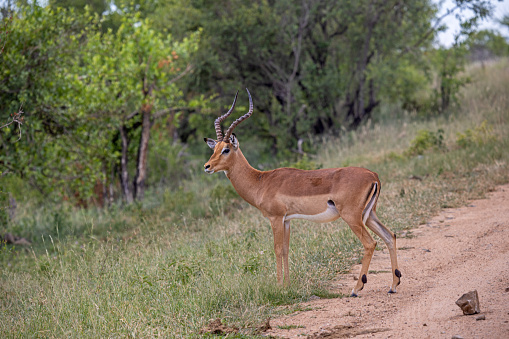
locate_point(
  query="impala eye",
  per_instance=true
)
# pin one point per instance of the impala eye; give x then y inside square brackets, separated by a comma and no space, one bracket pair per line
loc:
[225,151]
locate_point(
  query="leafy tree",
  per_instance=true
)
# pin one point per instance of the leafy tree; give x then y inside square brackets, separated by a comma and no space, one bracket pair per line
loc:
[88,95]
[36,49]
[94,6]
[313,66]
[128,80]
[486,44]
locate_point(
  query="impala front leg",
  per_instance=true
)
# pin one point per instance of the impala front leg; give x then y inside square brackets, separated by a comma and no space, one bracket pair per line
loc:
[286,250]
[278,230]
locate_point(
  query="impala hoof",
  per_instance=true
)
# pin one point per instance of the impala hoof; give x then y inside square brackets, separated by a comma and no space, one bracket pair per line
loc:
[391,291]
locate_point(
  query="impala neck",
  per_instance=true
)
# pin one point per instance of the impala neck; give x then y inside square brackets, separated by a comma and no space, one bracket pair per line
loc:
[244,178]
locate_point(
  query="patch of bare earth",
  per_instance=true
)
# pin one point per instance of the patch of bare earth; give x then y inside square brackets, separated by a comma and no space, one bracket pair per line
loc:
[460,250]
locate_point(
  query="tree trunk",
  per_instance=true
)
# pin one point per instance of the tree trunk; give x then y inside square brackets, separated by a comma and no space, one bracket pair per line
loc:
[124,174]
[141,165]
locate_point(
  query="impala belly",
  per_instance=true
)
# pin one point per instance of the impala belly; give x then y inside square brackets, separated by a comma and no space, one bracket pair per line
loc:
[329,214]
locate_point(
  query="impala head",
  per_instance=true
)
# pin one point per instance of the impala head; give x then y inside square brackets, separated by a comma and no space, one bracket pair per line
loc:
[225,147]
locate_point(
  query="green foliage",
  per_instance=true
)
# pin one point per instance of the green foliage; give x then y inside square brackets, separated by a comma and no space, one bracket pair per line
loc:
[313,68]
[477,136]
[304,163]
[450,64]
[4,208]
[78,86]
[394,156]
[5,25]
[87,76]
[424,141]
[487,44]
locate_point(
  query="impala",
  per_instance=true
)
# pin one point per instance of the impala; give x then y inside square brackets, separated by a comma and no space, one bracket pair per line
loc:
[322,195]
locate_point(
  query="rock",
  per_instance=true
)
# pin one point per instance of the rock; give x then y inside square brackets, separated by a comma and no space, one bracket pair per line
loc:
[469,303]
[481,317]
[456,337]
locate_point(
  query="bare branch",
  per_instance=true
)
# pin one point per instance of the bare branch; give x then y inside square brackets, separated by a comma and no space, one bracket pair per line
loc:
[178,77]
[431,30]
[132,115]
[16,118]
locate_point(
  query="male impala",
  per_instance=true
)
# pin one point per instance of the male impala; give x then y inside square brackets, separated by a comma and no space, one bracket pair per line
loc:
[321,195]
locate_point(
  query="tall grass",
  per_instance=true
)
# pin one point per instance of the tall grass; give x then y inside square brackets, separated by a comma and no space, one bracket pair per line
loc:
[199,252]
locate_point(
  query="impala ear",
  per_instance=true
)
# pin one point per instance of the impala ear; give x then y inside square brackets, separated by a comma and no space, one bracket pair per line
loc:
[234,141]
[211,142]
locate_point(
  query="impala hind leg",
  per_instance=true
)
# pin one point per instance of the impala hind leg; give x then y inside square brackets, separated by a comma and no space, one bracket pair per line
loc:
[369,244]
[390,240]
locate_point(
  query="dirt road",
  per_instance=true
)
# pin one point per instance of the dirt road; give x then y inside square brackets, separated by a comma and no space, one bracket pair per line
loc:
[460,250]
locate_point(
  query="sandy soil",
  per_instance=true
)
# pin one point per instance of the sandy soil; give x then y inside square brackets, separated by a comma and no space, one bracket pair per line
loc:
[460,250]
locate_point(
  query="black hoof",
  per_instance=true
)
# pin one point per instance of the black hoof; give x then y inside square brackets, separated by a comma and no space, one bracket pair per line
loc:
[391,291]
[353,295]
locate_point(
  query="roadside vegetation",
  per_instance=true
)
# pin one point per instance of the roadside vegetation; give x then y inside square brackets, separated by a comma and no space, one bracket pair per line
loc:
[196,252]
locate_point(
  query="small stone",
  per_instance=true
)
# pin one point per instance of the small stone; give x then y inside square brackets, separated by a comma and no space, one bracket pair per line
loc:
[456,337]
[481,317]
[507,289]
[469,303]
[424,324]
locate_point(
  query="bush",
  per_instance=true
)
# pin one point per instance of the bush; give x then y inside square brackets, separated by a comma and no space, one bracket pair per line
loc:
[424,141]
[477,136]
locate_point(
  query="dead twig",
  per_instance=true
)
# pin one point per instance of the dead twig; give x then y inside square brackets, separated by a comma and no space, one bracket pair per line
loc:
[16,118]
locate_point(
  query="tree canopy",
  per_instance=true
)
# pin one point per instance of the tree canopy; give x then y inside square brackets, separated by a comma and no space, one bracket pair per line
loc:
[96,78]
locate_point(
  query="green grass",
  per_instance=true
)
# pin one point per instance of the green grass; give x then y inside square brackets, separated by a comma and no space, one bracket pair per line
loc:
[199,252]
[290,327]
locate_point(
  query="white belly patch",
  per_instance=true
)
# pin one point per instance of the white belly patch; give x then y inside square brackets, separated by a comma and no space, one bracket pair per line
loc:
[330,214]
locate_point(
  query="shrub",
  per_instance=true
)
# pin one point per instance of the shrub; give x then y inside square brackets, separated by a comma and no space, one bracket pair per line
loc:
[424,141]
[477,136]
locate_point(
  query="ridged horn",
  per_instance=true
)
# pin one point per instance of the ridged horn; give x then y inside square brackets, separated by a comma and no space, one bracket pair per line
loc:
[239,120]
[217,123]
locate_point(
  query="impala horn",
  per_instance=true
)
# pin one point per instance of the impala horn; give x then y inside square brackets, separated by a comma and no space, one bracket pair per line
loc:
[239,120]
[217,123]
